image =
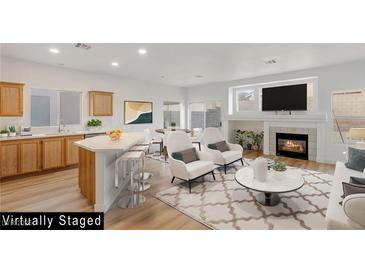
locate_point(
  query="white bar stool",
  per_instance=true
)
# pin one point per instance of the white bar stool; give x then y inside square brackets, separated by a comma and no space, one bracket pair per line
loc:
[128,169]
[146,175]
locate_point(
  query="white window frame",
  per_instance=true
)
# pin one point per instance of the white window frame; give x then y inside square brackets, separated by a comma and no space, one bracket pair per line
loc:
[58,108]
[342,117]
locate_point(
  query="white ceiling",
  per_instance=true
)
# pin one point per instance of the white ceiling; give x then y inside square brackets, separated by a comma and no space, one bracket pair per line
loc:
[178,64]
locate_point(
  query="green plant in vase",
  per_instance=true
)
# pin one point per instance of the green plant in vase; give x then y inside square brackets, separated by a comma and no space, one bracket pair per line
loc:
[94,124]
[278,165]
[4,133]
[258,138]
[12,131]
[240,137]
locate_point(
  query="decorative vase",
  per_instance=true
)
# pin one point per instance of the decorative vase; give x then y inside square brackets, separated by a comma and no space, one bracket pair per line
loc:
[249,146]
[260,169]
[12,134]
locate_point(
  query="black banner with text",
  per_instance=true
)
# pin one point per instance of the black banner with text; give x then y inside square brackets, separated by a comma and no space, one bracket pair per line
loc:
[51,221]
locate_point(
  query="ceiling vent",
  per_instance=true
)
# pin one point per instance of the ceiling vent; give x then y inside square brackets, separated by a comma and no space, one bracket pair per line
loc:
[82,46]
[270,62]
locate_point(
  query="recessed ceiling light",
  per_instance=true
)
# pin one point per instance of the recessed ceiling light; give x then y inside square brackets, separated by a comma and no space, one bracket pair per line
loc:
[162,76]
[55,51]
[199,76]
[142,51]
[115,64]
[270,62]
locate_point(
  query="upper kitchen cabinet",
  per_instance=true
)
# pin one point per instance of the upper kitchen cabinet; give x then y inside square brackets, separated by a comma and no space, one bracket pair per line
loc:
[100,103]
[11,99]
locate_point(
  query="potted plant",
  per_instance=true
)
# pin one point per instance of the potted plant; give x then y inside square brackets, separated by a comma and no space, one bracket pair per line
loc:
[249,135]
[94,124]
[173,125]
[258,138]
[278,165]
[240,137]
[12,131]
[4,133]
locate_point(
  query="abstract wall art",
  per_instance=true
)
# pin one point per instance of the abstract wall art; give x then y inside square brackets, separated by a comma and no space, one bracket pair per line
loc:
[137,112]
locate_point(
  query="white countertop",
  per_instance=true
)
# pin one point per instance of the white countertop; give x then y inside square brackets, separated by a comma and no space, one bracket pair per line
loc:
[105,144]
[49,135]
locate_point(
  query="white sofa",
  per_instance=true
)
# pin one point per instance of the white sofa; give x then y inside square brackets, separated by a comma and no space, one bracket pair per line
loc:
[179,141]
[351,215]
[213,135]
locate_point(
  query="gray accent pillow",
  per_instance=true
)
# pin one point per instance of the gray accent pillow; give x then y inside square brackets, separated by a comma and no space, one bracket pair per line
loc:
[187,156]
[355,181]
[349,189]
[221,146]
[356,159]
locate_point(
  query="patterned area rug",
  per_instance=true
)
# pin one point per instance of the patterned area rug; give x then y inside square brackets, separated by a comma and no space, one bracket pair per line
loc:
[224,204]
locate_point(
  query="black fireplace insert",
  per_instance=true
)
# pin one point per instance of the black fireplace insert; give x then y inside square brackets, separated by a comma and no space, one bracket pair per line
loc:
[292,145]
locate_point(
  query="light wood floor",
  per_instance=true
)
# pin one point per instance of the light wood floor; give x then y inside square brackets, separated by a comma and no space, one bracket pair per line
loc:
[59,191]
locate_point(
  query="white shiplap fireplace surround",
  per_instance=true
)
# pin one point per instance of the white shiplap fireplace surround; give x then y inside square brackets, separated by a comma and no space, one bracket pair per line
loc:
[312,125]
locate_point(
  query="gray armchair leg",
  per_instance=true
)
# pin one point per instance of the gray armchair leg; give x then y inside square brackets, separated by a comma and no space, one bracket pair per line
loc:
[189,186]
[173,178]
[213,175]
[241,161]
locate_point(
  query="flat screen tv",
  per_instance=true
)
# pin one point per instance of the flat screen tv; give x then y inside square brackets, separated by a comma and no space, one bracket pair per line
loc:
[285,98]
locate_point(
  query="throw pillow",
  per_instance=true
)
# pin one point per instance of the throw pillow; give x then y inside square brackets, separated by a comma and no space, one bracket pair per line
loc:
[356,159]
[357,180]
[221,146]
[349,189]
[187,156]
[354,181]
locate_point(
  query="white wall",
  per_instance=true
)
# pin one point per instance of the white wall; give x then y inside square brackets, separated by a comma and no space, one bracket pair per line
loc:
[51,77]
[345,76]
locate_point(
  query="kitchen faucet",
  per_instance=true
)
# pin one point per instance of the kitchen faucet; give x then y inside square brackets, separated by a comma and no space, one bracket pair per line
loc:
[63,126]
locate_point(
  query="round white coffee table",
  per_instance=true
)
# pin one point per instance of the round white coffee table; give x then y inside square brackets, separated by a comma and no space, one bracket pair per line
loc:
[276,182]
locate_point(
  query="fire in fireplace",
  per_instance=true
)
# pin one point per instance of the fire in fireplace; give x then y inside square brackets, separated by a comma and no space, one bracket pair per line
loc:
[292,145]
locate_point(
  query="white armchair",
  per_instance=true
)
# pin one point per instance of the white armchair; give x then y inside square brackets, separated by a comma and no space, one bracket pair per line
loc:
[351,215]
[179,141]
[213,135]
[354,208]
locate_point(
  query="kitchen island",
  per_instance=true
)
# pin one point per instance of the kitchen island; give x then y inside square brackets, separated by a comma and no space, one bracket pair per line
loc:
[97,157]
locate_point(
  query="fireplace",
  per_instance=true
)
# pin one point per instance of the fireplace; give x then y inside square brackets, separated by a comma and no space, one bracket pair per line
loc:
[292,145]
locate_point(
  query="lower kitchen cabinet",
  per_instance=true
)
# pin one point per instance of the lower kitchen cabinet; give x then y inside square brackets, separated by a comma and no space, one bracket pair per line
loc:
[71,150]
[9,158]
[37,154]
[30,156]
[53,153]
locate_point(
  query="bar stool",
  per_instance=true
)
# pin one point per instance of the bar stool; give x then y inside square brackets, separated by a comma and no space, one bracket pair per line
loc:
[146,175]
[128,169]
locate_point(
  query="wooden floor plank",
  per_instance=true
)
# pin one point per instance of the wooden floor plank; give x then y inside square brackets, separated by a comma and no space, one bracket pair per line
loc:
[59,191]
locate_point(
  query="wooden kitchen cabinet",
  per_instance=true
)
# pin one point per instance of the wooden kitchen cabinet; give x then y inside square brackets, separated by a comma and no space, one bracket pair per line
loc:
[53,153]
[100,103]
[9,158]
[30,156]
[72,151]
[11,99]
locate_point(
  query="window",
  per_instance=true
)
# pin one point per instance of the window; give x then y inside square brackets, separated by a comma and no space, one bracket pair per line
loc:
[49,107]
[348,109]
[204,115]
[172,114]
[246,100]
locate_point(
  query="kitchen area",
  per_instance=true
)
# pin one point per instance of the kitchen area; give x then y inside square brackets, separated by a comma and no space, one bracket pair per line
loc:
[42,146]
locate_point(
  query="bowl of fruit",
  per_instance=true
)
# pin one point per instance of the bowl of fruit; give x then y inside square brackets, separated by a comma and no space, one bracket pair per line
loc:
[114,134]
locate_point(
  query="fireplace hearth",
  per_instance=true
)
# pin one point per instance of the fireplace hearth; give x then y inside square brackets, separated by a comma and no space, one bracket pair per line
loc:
[292,145]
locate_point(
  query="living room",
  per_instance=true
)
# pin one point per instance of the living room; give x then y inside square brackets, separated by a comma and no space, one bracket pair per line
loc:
[230,137]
